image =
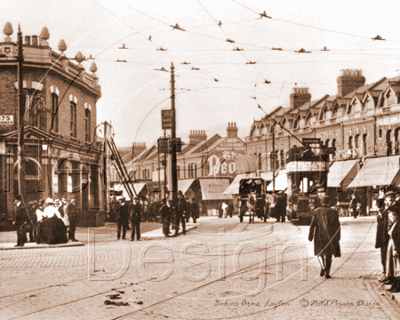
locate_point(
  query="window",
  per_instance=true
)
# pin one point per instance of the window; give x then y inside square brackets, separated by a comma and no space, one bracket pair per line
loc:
[87,125]
[73,120]
[54,112]
[146,174]
[356,141]
[282,159]
[364,142]
[296,123]
[192,169]
[37,113]
[349,111]
[178,171]
[350,142]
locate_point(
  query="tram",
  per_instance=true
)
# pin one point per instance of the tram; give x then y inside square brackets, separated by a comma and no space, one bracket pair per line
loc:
[307,170]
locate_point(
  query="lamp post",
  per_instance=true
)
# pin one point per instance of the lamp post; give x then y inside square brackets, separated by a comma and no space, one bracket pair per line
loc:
[21,115]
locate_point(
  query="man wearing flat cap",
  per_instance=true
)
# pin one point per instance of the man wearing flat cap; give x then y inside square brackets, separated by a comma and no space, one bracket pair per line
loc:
[325,231]
[382,235]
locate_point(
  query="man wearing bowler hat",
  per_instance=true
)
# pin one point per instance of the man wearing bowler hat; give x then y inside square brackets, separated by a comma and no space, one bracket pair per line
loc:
[122,218]
[136,217]
[20,221]
[325,231]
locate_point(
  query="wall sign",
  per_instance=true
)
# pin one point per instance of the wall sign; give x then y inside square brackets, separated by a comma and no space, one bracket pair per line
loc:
[6,120]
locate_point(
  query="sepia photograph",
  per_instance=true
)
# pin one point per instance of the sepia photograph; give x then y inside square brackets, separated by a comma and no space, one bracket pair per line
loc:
[199,159]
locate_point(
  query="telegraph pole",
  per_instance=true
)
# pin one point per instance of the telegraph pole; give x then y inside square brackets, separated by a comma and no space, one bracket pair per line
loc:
[21,115]
[173,143]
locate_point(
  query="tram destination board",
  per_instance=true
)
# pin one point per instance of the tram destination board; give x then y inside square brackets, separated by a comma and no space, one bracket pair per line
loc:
[312,142]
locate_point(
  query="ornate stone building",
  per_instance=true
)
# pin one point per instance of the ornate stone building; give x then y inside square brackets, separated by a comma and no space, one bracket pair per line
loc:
[62,154]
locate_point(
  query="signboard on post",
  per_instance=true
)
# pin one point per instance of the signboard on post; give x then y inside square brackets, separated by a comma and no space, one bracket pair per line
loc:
[166,118]
[163,145]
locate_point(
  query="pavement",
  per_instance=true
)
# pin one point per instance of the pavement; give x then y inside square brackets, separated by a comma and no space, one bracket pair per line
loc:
[8,239]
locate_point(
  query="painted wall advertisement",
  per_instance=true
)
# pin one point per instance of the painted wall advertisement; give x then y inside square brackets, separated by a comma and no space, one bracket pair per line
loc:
[222,160]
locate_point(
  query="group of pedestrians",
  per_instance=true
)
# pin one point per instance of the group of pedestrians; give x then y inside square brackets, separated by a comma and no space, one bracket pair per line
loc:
[183,212]
[388,240]
[128,212]
[47,221]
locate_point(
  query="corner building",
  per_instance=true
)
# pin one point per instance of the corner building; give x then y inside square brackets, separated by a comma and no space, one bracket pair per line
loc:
[62,155]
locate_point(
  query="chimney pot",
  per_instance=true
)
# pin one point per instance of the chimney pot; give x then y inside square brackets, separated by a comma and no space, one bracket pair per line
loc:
[28,40]
[34,40]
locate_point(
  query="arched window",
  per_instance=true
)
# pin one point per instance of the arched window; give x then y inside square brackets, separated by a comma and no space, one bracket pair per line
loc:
[54,112]
[296,123]
[73,119]
[350,142]
[37,113]
[87,125]
[364,143]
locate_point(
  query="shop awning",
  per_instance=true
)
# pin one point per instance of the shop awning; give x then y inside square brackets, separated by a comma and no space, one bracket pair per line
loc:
[342,173]
[212,189]
[184,185]
[234,186]
[377,172]
[138,187]
[280,182]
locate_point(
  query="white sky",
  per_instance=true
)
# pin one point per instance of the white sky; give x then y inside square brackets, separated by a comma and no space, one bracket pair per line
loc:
[133,93]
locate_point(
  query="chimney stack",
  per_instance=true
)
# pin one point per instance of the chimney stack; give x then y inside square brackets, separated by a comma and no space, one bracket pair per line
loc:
[298,97]
[231,130]
[197,136]
[349,80]
[138,148]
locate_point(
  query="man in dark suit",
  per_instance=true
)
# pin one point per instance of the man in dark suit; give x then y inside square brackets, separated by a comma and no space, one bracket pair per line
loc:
[280,207]
[70,211]
[165,213]
[325,231]
[20,221]
[392,259]
[382,236]
[180,211]
[195,210]
[136,217]
[122,218]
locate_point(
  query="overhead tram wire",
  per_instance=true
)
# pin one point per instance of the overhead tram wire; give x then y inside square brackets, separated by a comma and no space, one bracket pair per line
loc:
[241,52]
[139,32]
[304,25]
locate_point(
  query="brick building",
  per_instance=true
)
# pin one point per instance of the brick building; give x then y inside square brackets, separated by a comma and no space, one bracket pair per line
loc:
[362,121]
[205,168]
[62,154]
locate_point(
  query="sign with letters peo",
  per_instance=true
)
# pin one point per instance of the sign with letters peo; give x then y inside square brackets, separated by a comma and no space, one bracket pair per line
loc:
[167,118]
[222,161]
